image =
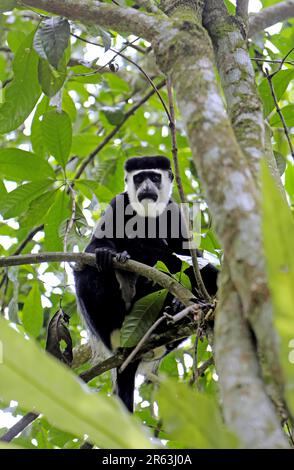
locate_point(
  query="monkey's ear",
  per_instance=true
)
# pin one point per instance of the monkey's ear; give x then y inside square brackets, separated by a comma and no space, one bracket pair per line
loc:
[171,175]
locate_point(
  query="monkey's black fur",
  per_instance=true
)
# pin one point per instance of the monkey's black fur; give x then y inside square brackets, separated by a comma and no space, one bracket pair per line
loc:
[103,298]
[147,163]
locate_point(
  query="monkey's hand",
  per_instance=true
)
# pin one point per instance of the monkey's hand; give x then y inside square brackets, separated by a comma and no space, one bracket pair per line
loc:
[104,259]
[122,257]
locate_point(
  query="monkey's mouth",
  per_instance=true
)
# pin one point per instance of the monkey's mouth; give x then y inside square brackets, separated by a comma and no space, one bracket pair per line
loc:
[147,195]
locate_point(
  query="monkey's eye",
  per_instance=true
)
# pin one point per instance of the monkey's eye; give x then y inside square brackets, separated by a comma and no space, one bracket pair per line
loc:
[155,178]
[139,178]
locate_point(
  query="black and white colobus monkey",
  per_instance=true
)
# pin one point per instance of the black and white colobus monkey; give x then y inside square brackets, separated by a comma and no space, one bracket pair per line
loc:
[142,223]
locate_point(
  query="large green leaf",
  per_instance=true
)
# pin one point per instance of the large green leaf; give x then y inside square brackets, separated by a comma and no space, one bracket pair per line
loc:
[142,316]
[68,105]
[288,115]
[23,92]
[278,233]
[18,165]
[51,79]
[57,134]
[39,382]
[32,313]
[83,144]
[51,39]
[280,83]
[38,209]
[17,201]
[57,214]
[36,127]
[192,418]
[15,39]
[90,187]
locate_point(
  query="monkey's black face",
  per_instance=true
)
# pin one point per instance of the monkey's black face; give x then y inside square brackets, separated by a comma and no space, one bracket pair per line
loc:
[147,185]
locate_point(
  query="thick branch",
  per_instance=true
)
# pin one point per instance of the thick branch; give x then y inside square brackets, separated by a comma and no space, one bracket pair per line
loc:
[245,111]
[238,81]
[239,377]
[169,283]
[121,19]
[242,9]
[230,186]
[271,15]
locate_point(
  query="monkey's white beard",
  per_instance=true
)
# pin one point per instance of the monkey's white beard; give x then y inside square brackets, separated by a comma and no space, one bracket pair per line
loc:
[148,207]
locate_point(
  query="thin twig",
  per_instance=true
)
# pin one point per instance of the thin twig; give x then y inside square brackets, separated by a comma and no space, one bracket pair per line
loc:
[172,124]
[111,134]
[24,422]
[143,340]
[201,369]
[278,109]
[140,344]
[72,219]
[272,61]
[195,360]
[290,433]
[282,63]
[119,53]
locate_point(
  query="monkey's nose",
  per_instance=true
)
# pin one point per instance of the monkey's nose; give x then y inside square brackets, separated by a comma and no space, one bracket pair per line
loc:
[147,195]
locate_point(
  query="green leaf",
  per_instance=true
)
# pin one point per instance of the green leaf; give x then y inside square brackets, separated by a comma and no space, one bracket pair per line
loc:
[32,313]
[15,39]
[36,127]
[106,38]
[278,233]
[9,445]
[23,92]
[19,165]
[51,79]
[90,187]
[80,73]
[17,201]
[51,39]
[280,83]
[192,418]
[143,314]
[57,134]
[38,208]
[57,214]
[288,115]
[7,5]
[69,106]
[41,383]
[114,115]
[83,144]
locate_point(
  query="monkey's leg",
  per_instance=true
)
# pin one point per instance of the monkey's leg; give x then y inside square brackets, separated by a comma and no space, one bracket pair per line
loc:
[126,385]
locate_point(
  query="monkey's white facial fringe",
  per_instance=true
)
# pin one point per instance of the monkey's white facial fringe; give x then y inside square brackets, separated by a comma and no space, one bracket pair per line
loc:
[148,207]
